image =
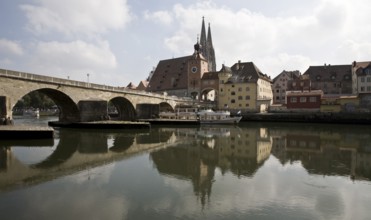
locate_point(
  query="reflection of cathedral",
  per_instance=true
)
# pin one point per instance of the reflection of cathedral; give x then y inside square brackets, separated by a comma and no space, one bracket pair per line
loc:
[241,152]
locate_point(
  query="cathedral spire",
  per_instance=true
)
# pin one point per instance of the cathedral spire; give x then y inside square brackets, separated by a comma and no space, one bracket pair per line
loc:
[203,40]
[210,51]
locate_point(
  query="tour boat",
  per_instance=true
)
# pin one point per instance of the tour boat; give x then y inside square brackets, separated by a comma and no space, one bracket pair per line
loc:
[203,117]
[217,117]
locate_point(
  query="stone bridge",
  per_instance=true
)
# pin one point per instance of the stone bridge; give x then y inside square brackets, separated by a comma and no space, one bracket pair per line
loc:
[83,101]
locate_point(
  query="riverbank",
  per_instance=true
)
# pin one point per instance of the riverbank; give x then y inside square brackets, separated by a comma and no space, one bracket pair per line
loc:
[330,118]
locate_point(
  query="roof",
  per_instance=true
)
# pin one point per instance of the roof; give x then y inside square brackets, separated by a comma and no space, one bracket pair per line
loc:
[210,75]
[131,86]
[291,74]
[142,85]
[246,72]
[334,73]
[361,66]
[170,74]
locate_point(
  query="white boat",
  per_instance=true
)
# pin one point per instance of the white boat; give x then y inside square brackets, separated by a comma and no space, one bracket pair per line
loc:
[31,113]
[204,116]
[217,117]
[180,114]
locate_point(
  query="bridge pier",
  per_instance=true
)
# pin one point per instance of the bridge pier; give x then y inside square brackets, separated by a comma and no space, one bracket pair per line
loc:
[93,110]
[5,109]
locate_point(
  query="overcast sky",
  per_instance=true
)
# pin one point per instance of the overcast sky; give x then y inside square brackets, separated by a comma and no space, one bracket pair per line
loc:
[120,41]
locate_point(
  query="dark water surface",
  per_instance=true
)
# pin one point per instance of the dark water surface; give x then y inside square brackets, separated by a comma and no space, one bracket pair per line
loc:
[253,171]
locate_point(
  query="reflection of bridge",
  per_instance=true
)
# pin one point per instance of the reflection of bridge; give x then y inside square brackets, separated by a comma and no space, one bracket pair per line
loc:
[75,152]
[80,101]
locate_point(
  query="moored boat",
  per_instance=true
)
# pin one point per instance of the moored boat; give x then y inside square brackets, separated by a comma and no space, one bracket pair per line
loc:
[203,117]
[217,117]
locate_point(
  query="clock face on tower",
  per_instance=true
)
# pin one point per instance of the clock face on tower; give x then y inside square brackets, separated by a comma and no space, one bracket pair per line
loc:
[194,69]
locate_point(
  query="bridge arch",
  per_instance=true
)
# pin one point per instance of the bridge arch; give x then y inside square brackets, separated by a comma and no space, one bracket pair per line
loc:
[209,94]
[67,107]
[125,109]
[166,107]
[68,110]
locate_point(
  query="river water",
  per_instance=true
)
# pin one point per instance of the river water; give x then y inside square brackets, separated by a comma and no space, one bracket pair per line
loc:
[249,171]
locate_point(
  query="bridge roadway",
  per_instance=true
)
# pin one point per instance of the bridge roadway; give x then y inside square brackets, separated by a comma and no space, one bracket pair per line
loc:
[76,152]
[83,101]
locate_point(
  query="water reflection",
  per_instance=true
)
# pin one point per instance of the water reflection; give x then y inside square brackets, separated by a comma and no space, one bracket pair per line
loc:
[233,172]
[195,153]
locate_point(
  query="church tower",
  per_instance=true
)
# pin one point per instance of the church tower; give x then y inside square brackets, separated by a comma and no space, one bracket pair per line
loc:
[207,48]
[197,66]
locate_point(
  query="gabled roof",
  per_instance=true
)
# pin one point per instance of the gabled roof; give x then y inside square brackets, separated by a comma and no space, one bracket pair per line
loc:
[361,66]
[170,74]
[246,72]
[290,74]
[131,86]
[335,73]
[142,85]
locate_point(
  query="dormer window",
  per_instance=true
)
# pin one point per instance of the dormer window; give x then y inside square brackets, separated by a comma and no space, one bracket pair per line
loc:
[318,78]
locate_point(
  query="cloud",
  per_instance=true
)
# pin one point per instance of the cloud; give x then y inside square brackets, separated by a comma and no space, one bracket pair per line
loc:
[290,42]
[76,17]
[162,17]
[74,59]
[8,47]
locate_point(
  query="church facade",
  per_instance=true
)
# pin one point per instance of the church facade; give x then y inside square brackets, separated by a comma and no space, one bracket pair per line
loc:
[182,76]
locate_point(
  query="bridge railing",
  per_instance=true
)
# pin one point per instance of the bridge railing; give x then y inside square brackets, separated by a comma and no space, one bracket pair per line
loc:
[68,82]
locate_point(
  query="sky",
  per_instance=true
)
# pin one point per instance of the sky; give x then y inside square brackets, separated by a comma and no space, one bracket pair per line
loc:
[115,42]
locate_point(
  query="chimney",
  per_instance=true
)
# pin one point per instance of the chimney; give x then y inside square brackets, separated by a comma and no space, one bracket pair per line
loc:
[354,63]
[238,65]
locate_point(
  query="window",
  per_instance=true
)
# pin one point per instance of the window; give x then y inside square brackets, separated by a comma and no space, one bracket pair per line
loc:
[368,79]
[221,90]
[247,105]
[240,89]
[233,101]
[293,99]
[362,89]
[233,93]
[239,97]
[368,88]
[312,99]
[232,86]
[294,84]
[362,79]
[277,98]
[247,89]
[277,90]
[303,99]
[247,97]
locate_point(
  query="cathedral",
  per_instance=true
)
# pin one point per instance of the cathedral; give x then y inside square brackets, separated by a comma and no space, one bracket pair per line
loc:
[183,76]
